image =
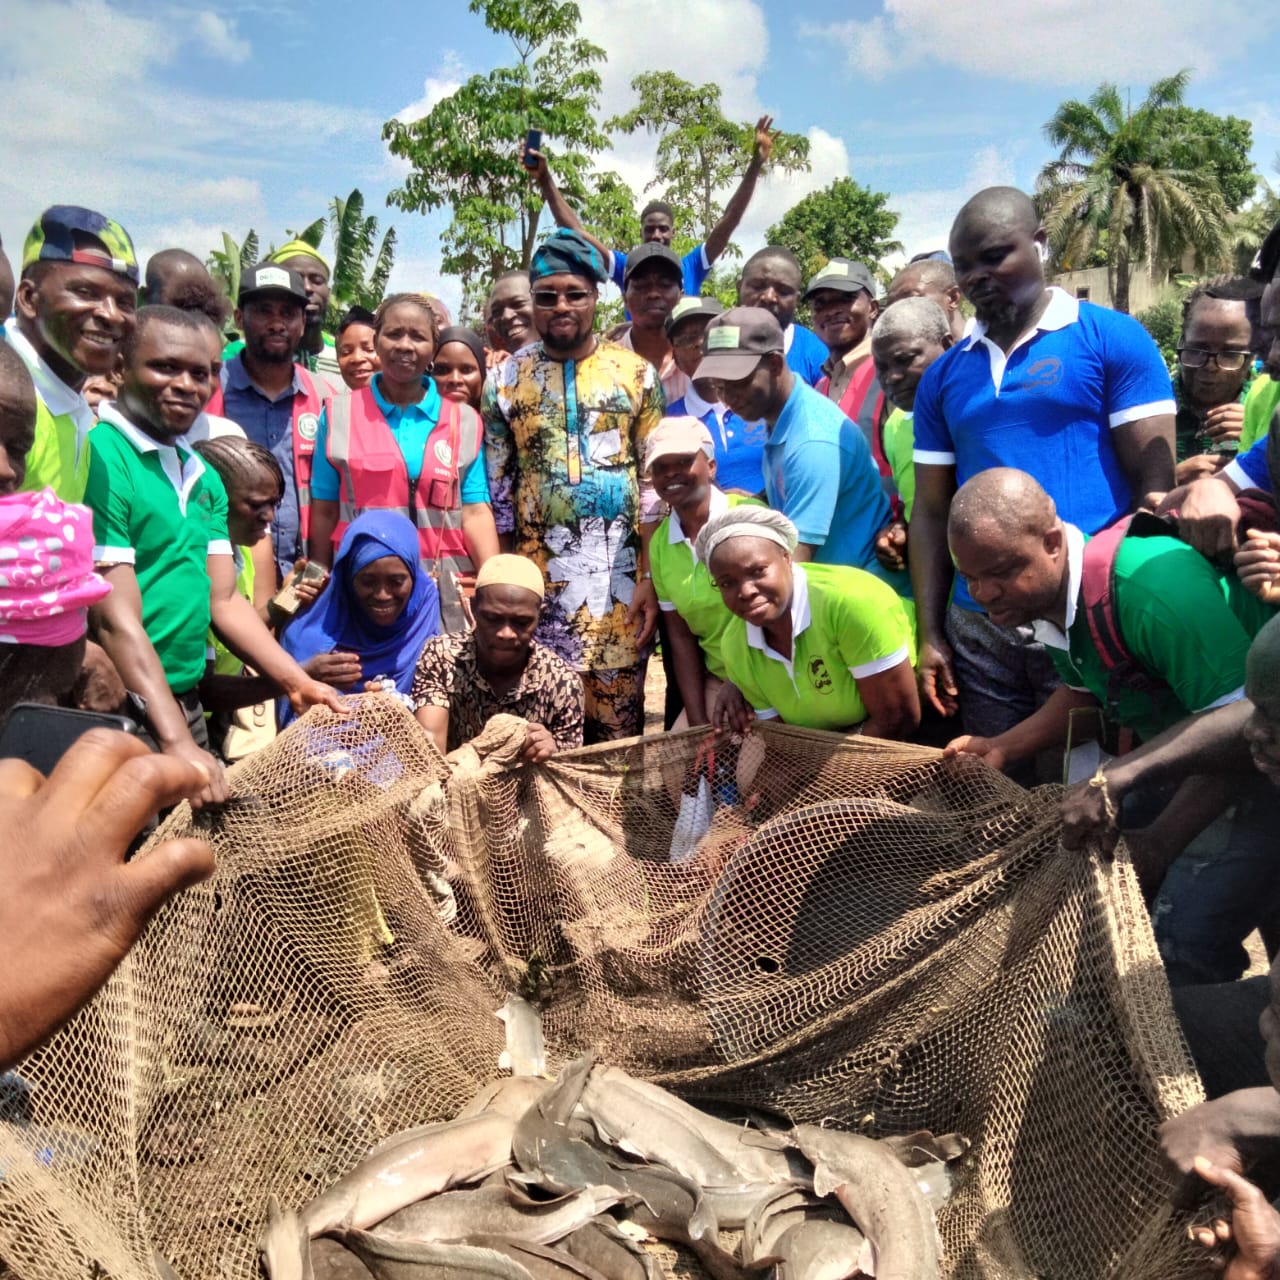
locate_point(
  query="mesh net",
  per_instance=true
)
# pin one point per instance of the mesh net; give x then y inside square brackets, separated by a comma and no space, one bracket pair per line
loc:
[864,933]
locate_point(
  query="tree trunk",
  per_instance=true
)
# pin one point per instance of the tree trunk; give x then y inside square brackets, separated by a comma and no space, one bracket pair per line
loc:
[1124,273]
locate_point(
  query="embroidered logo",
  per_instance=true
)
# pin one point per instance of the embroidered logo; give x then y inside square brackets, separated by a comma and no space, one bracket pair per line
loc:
[308,426]
[819,676]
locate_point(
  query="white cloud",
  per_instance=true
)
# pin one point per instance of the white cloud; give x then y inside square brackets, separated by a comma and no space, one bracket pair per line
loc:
[436,88]
[1043,41]
[220,37]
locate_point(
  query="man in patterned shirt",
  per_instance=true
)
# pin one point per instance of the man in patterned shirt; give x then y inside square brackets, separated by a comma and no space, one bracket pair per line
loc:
[465,678]
[565,424]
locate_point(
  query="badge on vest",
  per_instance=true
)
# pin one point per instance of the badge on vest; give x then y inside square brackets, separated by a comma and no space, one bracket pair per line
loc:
[444,454]
[308,426]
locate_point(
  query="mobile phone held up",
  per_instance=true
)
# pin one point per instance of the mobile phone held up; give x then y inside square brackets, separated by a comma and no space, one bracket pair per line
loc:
[532,142]
[40,734]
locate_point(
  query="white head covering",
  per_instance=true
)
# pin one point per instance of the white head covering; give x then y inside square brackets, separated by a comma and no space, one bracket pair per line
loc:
[745,522]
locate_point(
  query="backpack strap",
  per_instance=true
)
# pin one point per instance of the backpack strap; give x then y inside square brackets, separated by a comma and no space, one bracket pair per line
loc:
[1097,595]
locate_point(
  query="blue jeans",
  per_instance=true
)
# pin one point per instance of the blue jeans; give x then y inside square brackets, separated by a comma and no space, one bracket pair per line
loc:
[1214,897]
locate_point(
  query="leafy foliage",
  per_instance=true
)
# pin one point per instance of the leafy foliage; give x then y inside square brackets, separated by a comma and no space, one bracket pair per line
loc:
[700,151]
[844,220]
[1140,176]
[1250,226]
[465,150]
[354,237]
[228,263]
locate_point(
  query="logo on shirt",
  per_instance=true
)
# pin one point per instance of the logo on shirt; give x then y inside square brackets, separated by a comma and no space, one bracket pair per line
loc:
[1041,375]
[444,455]
[308,426]
[819,676]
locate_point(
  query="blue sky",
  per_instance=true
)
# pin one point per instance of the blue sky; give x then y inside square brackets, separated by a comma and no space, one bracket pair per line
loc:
[182,120]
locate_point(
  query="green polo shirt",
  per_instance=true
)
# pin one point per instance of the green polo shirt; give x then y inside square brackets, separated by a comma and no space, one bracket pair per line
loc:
[683,584]
[1188,623]
[899,448]
[163,511]
[846,625]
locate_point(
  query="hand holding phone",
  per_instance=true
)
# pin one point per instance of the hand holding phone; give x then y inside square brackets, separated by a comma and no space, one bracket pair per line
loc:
[532,143]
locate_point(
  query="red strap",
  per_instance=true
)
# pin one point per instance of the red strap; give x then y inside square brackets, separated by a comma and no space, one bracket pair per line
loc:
[1097,595]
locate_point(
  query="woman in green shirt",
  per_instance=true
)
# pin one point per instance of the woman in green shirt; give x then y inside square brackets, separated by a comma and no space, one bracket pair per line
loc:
[816,645]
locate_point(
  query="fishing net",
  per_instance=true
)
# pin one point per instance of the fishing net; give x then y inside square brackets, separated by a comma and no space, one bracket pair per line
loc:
[850,930]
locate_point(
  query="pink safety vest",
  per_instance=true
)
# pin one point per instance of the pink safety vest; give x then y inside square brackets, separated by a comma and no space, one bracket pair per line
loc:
[867,414]
[307,405]
[371,468]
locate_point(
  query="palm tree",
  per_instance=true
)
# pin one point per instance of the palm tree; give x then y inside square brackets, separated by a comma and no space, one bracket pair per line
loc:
[227,263]
[354,234]
[1119,174]
[1250,227]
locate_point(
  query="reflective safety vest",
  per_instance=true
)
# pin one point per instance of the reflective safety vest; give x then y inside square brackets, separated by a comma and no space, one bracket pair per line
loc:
[307,405]
[371,468]
[866,412]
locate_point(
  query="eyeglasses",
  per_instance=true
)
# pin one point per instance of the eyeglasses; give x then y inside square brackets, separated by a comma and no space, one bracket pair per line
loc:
[547,298]
[691,339]
[1227,361]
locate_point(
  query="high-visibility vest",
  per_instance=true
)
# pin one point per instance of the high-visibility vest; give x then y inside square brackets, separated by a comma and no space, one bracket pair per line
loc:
[373,477]
[307,405]
[866,412]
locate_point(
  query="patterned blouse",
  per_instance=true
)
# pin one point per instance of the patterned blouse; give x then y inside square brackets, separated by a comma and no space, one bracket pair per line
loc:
[549,693]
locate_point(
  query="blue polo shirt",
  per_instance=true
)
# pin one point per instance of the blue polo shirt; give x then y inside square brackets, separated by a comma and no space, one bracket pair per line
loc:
[697,267]
[270,424]
[1249,469]
[806,353]
[411,425]
[1047,408]
[819,472]
[739,444]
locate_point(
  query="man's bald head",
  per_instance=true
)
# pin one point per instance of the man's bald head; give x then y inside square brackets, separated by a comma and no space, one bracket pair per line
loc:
[1004,207]
[176,278]
[1010,547]
[916,276]
[17,418]
[1010,500]
[1262,667]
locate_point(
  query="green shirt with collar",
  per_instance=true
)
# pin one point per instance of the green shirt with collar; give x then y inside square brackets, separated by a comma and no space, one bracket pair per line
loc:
[161,510]
[1188,623]
[846,625]
[683,584]
[59,456]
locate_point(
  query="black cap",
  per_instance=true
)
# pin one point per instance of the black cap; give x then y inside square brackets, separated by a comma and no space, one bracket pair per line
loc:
[651,252]
[270,277]
[843,275]
[705,308]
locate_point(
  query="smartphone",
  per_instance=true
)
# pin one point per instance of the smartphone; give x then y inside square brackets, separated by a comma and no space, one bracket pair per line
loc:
[41,735]
[285,603]
[532,142]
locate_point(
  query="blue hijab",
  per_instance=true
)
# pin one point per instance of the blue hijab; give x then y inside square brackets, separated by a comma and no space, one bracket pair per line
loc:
[336,620]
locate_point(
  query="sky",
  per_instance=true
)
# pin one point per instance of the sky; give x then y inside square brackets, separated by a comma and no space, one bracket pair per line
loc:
[181,121]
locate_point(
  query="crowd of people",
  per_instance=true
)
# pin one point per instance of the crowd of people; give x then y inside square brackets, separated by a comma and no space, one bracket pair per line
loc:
[965,508]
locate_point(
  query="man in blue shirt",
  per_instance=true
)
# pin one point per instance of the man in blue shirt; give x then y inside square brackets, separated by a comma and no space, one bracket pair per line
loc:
[273,400]
[657,218]
[771,278]
[1073,394]
[739,445]
[818,469]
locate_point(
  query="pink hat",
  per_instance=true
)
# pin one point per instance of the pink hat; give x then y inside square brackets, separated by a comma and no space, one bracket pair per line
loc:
[47,582]
[678,436]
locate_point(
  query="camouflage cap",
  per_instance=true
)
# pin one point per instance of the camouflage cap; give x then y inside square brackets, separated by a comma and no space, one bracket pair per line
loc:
[60,235]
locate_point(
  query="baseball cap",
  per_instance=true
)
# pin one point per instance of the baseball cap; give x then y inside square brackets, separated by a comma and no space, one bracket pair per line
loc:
[736,340]
[270,277]
[687,307]
[845,276]
[54,235]
[651,252]
[676,437]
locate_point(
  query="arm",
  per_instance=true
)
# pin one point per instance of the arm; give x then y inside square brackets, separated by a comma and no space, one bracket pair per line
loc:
[644,601]
[480,531]
[931,575]
[1145,450]
[499,460]
[246,635]
[566,725]
[804,552]
[1047,727]
[324,520]
[561,211]
[264,576]
[691,670]
[117,620]
[435,720]
[892,702]
[762,149]
[1212,743]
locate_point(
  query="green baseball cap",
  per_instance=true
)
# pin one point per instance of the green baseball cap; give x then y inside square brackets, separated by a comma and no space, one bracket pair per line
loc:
[63,233]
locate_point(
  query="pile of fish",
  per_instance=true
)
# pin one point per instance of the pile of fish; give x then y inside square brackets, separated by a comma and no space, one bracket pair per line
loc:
[566,1179]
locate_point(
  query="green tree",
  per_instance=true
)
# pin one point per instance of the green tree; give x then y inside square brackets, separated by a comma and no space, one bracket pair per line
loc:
[700,151]
[844,220]
[227,264]
[1221,143]
[465,150]
[1121,171]
[355,279]
[1249,227]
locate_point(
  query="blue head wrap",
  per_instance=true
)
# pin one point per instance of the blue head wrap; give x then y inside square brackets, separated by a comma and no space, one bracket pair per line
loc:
[566,252]
[336,620]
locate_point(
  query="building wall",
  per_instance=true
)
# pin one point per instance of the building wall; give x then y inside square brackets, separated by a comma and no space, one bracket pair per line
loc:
[1092,284]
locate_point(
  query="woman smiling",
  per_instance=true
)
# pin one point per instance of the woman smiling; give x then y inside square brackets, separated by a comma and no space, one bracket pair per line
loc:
[397,445]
